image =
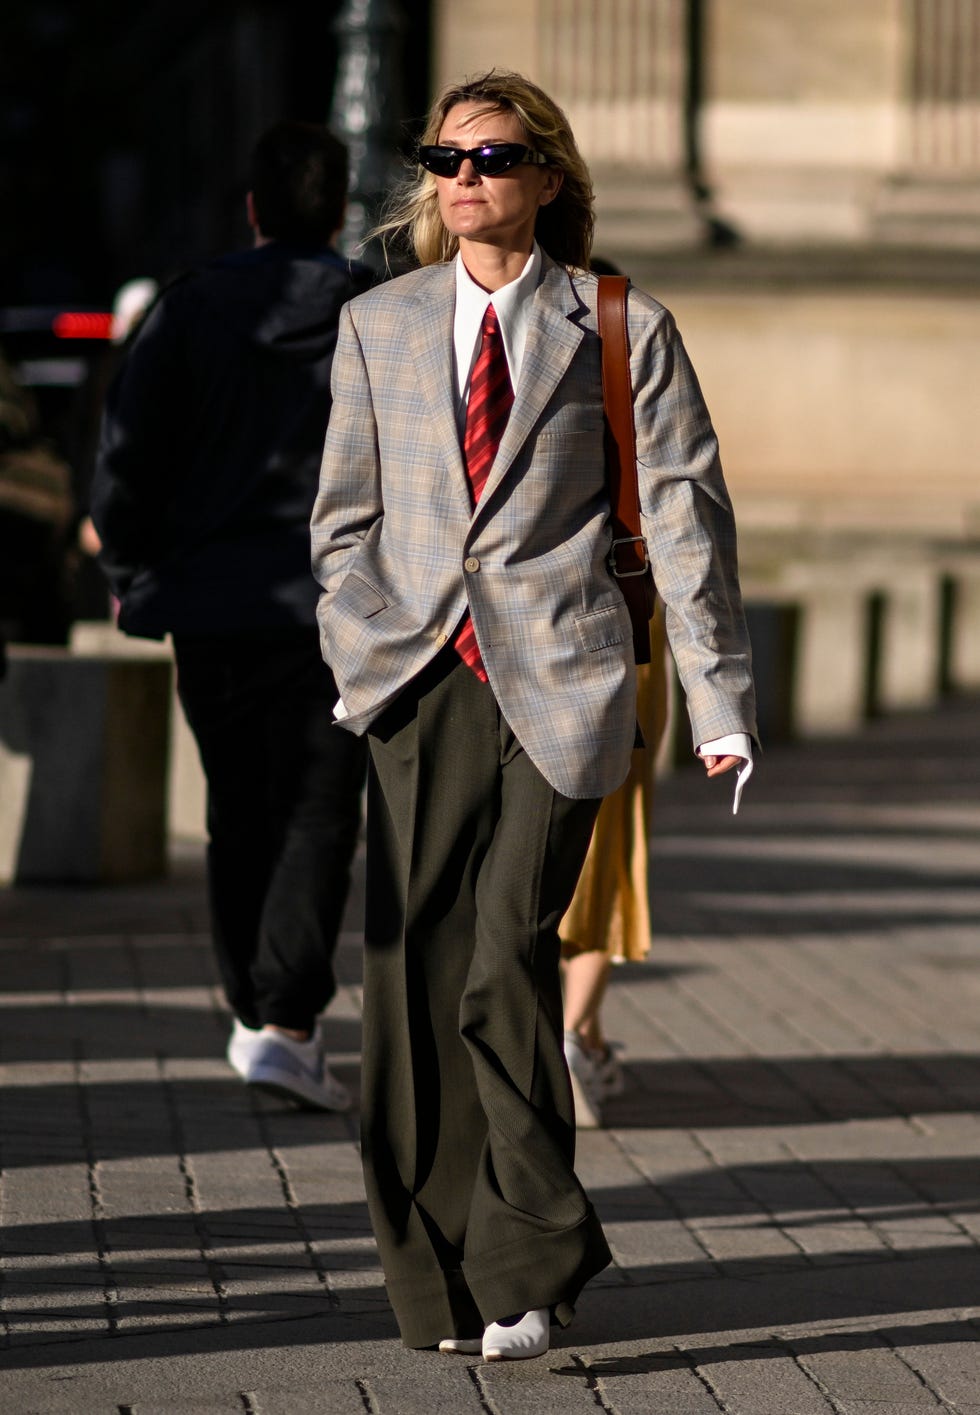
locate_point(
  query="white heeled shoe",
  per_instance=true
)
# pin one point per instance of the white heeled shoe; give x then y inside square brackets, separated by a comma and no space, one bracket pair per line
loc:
[526,1338]
[462,1345]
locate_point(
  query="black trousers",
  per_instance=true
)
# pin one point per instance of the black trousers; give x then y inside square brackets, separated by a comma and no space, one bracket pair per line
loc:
[467,1122]
[284,806]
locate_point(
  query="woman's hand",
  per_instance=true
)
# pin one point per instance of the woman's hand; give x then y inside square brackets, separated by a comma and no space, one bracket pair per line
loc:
[716,766]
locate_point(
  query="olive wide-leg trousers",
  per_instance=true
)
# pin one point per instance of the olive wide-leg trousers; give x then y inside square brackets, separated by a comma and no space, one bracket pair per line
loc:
[468,1129]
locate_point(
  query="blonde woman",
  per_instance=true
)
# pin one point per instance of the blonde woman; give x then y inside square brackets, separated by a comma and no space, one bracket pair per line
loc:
[479,640]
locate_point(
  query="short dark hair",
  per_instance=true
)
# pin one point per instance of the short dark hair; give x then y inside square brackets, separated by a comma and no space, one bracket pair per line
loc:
[299,183]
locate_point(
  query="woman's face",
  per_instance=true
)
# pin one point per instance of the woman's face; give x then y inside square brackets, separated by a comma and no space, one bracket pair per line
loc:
[498,211]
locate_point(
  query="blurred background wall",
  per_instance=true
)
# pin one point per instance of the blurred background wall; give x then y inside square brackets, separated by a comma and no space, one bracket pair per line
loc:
[799,183]
[125,130]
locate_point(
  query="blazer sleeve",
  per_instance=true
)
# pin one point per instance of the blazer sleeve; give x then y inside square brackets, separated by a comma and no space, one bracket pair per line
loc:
[690,528]
[348,502]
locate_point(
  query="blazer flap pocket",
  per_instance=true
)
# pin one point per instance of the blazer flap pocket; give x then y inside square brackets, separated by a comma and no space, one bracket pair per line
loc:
[601,628]
[362,597]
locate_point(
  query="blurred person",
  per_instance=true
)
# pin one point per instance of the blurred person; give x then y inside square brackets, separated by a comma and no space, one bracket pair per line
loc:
[130,305]
[205,478]
[461,535]
[36,510]
[608,920]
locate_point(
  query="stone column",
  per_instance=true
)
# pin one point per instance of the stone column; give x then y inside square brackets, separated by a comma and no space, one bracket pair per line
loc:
[932,197]
[802,114]
[842,122]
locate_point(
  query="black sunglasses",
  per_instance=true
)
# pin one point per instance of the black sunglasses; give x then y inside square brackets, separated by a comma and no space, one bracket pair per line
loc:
[491,159]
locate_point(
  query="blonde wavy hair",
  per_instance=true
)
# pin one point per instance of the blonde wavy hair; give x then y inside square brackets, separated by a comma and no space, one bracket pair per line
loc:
[564,227]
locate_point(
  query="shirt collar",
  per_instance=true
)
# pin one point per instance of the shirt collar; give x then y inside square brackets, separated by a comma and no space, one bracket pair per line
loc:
[512,304]
[472,299]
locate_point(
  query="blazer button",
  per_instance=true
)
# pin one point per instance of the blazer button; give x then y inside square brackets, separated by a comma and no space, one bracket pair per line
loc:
[442,640]
[471,564]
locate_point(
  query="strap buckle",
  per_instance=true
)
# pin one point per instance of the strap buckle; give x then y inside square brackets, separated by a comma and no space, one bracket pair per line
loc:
[611,557]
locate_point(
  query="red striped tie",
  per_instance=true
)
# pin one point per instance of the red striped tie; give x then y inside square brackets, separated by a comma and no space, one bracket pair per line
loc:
[487,412]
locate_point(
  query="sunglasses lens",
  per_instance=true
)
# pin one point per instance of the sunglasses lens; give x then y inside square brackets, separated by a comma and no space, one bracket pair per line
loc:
[441,161]
[501,157]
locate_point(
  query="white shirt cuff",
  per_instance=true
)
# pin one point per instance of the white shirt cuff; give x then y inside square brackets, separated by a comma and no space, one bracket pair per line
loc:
[736,744]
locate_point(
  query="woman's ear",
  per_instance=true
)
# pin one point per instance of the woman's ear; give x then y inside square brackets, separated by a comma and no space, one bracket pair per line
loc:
[551,185]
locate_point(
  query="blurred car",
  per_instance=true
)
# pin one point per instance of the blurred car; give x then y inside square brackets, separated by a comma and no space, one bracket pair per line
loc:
[54,366]
[54,351]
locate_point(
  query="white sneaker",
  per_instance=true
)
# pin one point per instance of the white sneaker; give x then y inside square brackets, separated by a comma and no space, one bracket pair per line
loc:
[241,1046]
[526,1338]
[586,1091]
[271,1061]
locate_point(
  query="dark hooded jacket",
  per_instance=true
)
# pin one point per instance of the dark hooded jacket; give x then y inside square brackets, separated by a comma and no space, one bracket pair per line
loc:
[211,442]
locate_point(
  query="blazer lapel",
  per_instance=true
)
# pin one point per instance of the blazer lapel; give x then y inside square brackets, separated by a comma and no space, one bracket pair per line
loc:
[552,340]
[429,338]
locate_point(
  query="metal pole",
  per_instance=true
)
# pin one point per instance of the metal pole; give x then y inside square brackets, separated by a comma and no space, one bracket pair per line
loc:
[368,109]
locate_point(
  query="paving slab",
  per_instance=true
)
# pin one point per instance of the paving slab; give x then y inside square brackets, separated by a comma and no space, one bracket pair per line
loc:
[790,1181]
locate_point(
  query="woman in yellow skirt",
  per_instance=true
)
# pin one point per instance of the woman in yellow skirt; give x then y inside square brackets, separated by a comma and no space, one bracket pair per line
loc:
[608,920]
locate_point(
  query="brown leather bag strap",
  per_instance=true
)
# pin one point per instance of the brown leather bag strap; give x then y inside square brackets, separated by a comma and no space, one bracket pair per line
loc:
[617,397]
[628,555]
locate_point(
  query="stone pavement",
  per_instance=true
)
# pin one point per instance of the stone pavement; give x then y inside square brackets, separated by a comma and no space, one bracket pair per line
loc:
[790,1184]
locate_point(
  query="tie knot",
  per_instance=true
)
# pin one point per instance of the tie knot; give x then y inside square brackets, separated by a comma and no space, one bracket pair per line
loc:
[491,325]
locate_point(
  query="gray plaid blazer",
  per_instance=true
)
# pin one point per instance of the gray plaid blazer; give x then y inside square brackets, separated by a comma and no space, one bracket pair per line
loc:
[401,554]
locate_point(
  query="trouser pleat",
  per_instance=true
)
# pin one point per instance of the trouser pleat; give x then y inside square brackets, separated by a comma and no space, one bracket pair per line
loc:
[468,1125]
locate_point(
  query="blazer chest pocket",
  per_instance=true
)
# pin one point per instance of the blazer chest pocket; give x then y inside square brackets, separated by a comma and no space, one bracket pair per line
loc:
[601,629]
[363,598]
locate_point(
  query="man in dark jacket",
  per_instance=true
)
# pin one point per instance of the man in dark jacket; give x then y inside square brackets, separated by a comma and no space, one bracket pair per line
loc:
[205,479]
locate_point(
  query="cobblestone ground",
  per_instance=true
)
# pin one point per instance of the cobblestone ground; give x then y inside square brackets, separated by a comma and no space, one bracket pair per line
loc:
[790,1182]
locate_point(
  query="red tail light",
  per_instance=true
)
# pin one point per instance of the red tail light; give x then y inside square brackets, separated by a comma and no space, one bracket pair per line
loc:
[78,324]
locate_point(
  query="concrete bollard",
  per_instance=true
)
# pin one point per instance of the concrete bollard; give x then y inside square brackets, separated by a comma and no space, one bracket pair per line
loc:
[963,668]
[910,640]
[832,657]
[186,787]
[85,742]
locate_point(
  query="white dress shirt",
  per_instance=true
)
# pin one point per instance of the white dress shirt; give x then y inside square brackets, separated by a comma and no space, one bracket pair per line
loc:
[512,304]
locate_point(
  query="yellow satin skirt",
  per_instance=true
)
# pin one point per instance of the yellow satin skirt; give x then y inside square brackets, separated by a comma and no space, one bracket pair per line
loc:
[610,910]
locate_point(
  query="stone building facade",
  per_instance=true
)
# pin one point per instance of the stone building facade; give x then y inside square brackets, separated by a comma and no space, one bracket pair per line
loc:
[800,184]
